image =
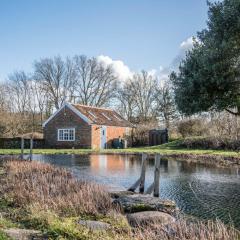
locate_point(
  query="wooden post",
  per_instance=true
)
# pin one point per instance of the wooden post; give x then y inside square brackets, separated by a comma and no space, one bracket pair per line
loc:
[22,148]
[150,189]
[143,172]
[134,186]
[157,175]
[31,148]
[140,182]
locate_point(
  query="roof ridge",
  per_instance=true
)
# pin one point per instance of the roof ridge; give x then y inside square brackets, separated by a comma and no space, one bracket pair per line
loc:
[82,105]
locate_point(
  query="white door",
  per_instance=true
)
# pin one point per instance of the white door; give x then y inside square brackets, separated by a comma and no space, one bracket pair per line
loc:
[103,137]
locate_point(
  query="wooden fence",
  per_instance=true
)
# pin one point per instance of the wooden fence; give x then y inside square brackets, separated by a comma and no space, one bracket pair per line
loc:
[15,143]
[155,186]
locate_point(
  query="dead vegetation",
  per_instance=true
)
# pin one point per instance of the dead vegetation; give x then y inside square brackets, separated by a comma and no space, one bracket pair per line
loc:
[47,198]
[185,230]
[53,188]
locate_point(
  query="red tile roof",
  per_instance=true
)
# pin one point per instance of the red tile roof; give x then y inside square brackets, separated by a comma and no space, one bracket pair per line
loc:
[102,116]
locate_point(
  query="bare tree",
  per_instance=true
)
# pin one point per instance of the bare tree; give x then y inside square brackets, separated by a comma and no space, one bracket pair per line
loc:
[3,109]
[127,101]
[17,96]
[3,98]
[41,100]
[18,89]
[57,78]
[165,104]
[95,83]
[143,88]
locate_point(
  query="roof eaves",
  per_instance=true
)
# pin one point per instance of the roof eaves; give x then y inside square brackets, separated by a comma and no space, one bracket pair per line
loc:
[71,107]
[81,115]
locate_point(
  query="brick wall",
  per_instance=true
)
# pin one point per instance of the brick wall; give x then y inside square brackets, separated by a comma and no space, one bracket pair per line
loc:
[96,137]
[67,119]
[112,133]
[86,136]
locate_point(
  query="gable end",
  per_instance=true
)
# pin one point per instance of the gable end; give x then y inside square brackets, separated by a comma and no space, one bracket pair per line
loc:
[73,109]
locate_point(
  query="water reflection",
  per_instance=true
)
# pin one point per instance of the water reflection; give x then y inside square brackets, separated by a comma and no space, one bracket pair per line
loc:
[109,163]
[206,192]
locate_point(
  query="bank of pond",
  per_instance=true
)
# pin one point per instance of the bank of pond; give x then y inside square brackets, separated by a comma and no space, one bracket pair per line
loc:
[203,191]
[200,192]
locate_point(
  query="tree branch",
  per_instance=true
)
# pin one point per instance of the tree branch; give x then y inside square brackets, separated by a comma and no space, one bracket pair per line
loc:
[234,113]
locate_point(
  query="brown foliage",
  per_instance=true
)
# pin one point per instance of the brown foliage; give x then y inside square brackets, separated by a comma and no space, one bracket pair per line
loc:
[53,188]
[192,127]
[216,143]
[185,230]
[141,132]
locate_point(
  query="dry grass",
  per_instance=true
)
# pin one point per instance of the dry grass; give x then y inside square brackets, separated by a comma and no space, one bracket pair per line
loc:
[55,200]
[185,230]
[53,189]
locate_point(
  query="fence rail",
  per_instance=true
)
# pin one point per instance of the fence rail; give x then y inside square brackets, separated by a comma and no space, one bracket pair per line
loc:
[155,186]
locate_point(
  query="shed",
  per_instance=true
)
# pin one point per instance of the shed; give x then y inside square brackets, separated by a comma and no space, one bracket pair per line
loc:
[81,126]
[157,137]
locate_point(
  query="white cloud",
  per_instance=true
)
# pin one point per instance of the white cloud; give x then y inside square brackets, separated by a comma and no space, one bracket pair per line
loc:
[122,71]
[162,73]
[185,46]
[153,72]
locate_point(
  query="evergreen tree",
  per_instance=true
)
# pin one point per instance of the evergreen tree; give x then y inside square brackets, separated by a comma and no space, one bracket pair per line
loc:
[209,76]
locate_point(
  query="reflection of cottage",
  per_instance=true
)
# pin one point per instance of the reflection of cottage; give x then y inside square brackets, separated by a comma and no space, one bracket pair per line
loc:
[108,162]
[80,126]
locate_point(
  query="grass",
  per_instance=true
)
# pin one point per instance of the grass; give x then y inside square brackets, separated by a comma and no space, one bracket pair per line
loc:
[3,236]
[185,230]
[43,197]
[173,148]
[53,188]
[46,198]
[166,149]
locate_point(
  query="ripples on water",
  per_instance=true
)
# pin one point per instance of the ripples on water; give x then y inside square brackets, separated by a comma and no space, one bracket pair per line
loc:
[205,192]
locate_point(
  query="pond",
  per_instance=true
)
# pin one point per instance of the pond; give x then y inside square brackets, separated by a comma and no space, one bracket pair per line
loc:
[198,190]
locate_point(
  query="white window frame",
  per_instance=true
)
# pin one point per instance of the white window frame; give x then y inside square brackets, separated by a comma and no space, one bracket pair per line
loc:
[66,130]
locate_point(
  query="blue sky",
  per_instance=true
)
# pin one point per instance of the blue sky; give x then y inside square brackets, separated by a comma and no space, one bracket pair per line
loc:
[143,34]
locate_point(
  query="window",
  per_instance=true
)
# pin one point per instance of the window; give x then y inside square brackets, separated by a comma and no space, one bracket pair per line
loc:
[108,118]
[66,134]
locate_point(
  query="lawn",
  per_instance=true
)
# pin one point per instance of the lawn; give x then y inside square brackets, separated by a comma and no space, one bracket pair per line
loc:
[166,149]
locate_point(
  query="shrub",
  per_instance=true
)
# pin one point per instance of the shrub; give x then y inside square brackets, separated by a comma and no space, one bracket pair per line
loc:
[3,236]
[141,133]
[192,127]
[215,143]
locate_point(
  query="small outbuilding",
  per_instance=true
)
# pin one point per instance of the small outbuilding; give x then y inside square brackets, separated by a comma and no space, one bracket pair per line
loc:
[157,137]
[80,126]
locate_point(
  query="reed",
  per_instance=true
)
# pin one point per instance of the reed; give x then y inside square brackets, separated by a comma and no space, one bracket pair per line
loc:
[53,188]
[52,200]
[185,230]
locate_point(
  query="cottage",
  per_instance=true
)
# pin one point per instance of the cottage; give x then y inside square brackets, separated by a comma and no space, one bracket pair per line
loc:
[80,126]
